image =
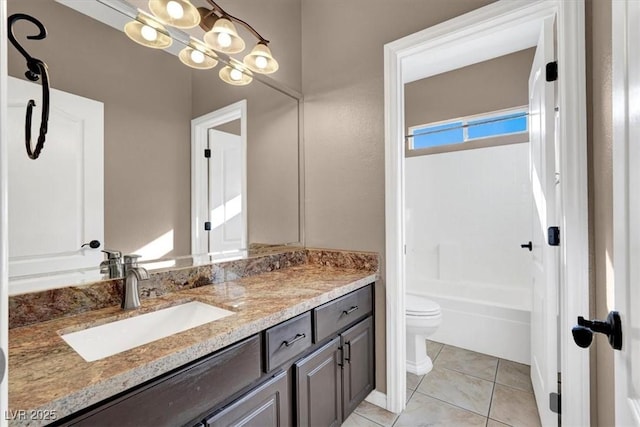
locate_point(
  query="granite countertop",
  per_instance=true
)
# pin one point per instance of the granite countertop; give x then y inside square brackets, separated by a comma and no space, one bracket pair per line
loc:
[46,374]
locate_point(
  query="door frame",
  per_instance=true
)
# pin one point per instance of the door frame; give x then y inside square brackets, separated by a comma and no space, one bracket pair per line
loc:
[401,60]
[624,15]
[4,223]
[199,175]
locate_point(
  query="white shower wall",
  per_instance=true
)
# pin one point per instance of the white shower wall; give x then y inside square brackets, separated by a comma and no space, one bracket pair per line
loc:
[467,213]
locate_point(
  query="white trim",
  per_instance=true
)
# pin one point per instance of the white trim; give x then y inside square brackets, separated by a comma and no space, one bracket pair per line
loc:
[394,225]
[574,266]
[505,16]
[377,398]
[624,60]
[4,224]
[199,178]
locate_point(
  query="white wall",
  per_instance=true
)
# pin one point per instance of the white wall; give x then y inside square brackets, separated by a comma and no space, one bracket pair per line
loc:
[467,214]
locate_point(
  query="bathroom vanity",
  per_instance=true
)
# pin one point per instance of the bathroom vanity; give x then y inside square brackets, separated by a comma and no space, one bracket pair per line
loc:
[298,350]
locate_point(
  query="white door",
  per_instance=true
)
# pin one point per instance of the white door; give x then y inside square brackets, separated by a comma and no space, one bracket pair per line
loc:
[226,202]
[626,207]
[56,202]
[544,330]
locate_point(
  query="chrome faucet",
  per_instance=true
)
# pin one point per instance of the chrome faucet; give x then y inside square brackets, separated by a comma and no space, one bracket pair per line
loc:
[132,273]
[113,264]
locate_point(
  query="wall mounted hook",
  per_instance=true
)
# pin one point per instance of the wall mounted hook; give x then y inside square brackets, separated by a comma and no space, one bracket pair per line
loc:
[36,70]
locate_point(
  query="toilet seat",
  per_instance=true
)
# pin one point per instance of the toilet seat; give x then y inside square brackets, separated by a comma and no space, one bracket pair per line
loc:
[418,306]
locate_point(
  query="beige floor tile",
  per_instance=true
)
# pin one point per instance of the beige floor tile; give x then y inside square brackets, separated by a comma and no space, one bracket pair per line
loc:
[494,423]
[356,420]
[409,394]
[413,380]
[376,414]
[426,411]
[514,407]
[514,375]
[468,362]
[465,391]
[433,349]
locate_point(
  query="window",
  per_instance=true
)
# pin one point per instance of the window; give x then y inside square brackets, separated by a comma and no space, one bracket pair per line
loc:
[457,131]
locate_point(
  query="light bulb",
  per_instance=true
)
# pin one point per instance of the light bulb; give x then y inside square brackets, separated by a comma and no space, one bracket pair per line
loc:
[197,56]
[175,9]
[224,39]
[149,33]
[261,62]
[235,74]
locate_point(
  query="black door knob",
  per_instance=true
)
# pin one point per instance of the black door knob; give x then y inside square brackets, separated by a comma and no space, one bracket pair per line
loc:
[612,328]
[527,245]
[94,244]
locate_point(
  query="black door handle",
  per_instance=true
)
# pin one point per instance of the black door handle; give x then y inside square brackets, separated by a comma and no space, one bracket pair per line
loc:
[527,245]
[94,244]
[612,328]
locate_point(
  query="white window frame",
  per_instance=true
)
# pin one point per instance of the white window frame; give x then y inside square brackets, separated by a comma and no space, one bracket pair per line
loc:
[465,130]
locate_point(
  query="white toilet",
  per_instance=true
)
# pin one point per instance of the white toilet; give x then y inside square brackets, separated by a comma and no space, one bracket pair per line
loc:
[423,318]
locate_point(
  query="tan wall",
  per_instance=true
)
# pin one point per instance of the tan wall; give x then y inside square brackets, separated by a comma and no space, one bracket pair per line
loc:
[342,62]
[599,140]
[146,149]
[492,85]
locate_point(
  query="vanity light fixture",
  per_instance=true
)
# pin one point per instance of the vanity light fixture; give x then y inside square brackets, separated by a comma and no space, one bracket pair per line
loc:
[177,13]
[261,60]
[220,35]
[235,74]
[224,37]
[198,56]
[148,32]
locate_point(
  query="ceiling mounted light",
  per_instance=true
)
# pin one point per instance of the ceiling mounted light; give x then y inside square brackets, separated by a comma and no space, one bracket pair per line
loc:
[224,37]
[261,60]
[197,55]
[147,32]
[177,13]
[235,74]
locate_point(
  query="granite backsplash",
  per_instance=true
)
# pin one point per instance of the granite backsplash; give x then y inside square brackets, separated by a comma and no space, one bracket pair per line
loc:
[35,307]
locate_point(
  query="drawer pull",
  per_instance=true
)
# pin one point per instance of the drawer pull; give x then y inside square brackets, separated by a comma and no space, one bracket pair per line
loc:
[297,338]
[351,310]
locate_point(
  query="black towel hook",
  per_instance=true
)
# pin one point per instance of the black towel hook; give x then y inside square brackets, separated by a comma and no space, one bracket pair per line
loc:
[35,70]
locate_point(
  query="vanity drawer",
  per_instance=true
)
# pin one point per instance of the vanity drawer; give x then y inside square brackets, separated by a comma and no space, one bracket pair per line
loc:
[286,340]
[342,312]
[184,395]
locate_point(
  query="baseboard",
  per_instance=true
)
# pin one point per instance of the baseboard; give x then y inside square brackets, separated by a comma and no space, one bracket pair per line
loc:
[377,398]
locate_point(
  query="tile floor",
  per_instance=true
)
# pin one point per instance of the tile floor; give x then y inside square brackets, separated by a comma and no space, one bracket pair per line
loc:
[463,389]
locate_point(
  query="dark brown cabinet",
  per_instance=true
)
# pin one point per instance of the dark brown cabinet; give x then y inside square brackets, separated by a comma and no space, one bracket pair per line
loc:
[333,380]
[265,406]
[358,368]
[180,397]
[319,386]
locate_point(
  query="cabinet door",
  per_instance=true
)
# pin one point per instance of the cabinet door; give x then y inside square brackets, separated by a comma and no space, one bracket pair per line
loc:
[319,386]
[358,371]
[265,406]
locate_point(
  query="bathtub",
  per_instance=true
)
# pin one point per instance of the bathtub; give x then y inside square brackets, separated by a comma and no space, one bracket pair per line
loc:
[487,318]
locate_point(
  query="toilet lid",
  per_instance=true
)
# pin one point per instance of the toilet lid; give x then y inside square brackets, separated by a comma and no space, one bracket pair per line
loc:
[421,306]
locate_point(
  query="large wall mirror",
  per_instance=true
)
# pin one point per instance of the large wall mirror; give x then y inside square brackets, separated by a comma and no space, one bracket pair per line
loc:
[148,100]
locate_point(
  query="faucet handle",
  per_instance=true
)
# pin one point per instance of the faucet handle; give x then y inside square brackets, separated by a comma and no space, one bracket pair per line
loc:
[111,254]
[131,260]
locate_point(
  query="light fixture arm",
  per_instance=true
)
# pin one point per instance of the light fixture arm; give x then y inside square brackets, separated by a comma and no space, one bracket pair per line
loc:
[224,14]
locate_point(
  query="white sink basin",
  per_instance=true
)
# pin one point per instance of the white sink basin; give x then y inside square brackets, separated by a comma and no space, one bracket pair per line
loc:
[115,337]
